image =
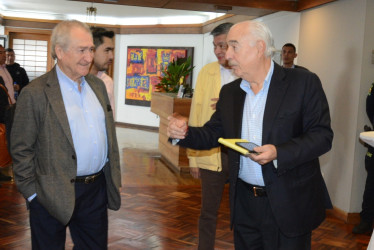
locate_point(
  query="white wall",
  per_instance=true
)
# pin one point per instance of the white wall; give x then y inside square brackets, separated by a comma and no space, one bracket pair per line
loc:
[137,114]
[285,28]
[331,45]
[209,55]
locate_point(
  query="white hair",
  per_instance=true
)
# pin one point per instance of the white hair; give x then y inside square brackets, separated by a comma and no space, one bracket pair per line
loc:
[260,31]
[61,34]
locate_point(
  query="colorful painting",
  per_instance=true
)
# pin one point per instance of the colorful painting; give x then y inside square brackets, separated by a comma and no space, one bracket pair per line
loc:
[144,66]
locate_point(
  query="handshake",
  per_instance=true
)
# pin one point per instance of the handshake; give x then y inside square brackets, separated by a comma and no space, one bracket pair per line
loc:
[178,126]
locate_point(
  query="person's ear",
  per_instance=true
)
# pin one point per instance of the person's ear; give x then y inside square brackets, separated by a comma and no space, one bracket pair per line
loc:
[261,47]
[59,51]
[295,55]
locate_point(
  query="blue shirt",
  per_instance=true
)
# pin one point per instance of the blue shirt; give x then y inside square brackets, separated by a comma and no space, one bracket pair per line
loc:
[253,114]
[87,124]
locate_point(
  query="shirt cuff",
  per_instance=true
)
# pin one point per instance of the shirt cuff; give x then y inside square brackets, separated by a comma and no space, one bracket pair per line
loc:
[174,142]
[275,162]
[31,197]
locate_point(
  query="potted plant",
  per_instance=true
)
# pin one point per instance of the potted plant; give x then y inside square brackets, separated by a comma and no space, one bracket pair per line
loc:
[174,76]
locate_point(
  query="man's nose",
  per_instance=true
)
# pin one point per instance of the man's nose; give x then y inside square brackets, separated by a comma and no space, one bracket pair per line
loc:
[228,53]
[88,55]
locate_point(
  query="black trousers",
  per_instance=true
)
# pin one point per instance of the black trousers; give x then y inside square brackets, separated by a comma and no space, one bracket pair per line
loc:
[88,225]
[212,187]
[255,226]
[367,213]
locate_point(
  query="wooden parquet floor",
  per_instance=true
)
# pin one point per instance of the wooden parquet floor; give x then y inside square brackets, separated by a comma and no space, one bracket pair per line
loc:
[160,209]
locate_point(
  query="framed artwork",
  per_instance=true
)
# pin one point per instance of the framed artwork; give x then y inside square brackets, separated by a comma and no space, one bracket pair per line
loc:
[144,67]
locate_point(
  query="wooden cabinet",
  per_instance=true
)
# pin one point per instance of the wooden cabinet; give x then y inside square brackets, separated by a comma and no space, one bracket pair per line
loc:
[165,104]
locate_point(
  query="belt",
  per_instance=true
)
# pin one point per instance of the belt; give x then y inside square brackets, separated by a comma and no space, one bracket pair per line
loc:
[258,191]
[87,179]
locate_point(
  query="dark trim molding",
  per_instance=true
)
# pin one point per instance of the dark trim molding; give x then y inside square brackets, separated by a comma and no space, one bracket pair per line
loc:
[135,126]
[349,218]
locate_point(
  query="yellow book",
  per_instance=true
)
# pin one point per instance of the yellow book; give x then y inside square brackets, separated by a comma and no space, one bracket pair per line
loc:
[231,144]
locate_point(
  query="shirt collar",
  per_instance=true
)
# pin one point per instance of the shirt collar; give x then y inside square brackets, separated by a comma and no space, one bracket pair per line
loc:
[63,78]
[224,69]
[244,85]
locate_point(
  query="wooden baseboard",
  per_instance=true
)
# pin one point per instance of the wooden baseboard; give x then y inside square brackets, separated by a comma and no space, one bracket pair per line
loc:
[135,126]
[176,169]
[350,218]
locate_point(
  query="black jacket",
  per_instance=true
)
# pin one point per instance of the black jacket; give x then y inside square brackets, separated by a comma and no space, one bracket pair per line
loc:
[18,74]
[4,102]
[370,105]
[297,121]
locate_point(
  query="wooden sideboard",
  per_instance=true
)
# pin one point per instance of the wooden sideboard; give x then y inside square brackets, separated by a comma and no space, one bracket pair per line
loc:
[165,104]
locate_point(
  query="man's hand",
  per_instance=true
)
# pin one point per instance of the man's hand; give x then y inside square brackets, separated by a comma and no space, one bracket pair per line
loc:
[178,125]
[195,172]
[16,87]
[266,154]
[214,100]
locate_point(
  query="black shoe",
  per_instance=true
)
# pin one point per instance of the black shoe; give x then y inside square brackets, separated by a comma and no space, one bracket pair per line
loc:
[5,177]
[363,228]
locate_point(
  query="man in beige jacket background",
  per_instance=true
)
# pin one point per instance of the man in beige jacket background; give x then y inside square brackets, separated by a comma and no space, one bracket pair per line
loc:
[207,164]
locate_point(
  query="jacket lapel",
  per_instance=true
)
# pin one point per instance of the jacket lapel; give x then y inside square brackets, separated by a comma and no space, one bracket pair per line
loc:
[239,99]
[278,87]
[54,96]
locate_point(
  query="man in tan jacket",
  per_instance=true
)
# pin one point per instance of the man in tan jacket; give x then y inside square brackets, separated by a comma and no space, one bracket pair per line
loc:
[207,164]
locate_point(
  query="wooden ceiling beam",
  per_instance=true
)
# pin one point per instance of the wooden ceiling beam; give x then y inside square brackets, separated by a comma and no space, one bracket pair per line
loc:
[308,4]
[237,7]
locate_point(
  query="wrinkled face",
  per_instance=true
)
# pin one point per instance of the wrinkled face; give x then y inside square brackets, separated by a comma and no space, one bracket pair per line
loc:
[243,52]
[76,59]
[10,57]
[220,48]
[2,55]
[104,54]
[288,55]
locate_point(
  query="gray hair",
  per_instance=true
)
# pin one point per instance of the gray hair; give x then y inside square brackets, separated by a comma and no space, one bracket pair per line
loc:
[260,31]
[221,29]
[61,34]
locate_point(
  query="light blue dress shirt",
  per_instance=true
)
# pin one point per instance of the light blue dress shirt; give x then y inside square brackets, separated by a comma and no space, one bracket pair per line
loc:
[253,114]
[87,124]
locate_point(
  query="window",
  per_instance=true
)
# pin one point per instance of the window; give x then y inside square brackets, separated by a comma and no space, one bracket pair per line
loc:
[32,52]
[32,55]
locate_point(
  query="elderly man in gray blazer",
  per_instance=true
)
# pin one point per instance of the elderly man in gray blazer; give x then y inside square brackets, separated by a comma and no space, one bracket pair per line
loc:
[64,147]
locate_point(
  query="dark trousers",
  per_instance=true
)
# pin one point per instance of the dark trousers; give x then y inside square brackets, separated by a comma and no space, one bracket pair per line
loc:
[212,186]
[367,213]
[88,225]
[255,227]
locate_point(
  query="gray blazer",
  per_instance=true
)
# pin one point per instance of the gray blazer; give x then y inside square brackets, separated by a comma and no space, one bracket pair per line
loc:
[43,151]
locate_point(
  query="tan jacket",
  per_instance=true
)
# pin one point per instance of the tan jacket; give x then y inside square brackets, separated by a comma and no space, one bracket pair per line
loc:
[208,86]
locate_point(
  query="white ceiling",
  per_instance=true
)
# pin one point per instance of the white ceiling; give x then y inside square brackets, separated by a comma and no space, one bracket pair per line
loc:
[106,13]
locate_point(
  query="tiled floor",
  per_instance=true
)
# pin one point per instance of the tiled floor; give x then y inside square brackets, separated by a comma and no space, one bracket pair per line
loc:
[160,208]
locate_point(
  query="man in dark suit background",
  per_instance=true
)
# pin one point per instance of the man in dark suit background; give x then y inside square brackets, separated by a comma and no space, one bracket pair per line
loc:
[288,56]
[278,196]
[19,75]
[66,160]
